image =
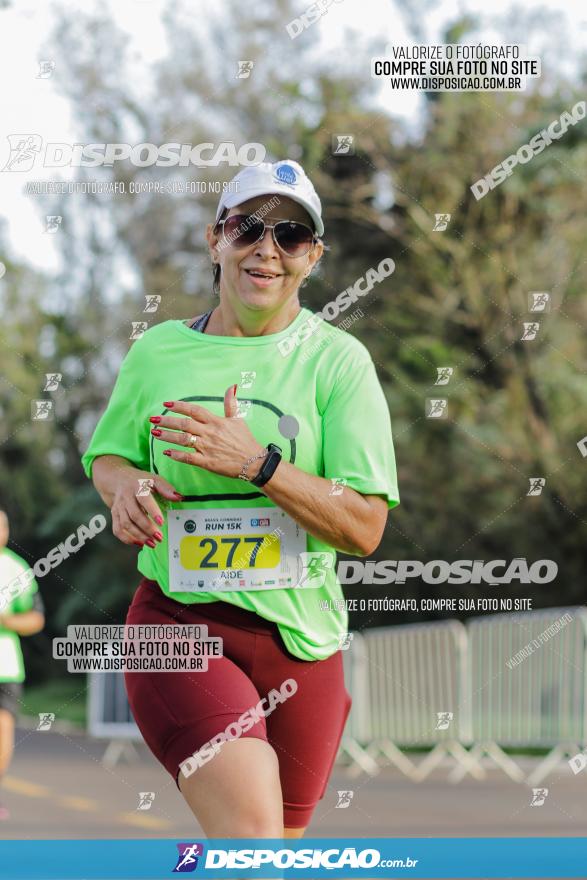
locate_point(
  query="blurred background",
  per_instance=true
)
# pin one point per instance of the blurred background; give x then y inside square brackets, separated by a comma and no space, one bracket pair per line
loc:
[162,72]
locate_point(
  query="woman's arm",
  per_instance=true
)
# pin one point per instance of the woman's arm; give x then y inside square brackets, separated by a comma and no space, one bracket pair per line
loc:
[350,522]
[135,518]
[107,471]
[25,623]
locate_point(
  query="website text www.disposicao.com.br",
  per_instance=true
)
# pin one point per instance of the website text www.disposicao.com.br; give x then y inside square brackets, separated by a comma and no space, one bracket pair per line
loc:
[316,858]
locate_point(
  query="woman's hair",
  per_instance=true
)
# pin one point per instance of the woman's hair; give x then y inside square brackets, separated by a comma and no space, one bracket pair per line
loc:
[216,268]
[216,278]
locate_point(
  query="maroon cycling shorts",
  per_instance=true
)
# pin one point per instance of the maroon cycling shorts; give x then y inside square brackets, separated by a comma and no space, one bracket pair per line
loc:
[178,712]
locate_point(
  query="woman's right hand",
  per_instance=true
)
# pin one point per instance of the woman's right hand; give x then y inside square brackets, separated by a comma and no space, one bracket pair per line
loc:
[137,518]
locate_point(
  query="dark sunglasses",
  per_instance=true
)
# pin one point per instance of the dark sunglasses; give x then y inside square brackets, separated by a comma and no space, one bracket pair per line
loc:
[243,230]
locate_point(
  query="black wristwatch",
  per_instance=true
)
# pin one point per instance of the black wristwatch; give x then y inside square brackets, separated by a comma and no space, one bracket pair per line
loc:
[269,465]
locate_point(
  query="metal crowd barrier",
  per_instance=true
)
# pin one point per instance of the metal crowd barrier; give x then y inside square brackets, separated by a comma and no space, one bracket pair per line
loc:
[415,680]
[109,716]
[357,735]
[527,686]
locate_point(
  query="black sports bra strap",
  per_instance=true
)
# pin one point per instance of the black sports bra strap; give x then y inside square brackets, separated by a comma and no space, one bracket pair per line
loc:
[201,323]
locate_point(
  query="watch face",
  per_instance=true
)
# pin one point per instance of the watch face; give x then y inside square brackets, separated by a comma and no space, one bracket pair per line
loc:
[269,466]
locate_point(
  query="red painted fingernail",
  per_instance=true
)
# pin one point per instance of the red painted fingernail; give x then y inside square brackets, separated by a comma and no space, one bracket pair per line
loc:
[159,520]
[158,536]
[234,387]
[156,432]
[150,543]
[138,543]
[177,495]
[168,403]
[155,419]
[167,452]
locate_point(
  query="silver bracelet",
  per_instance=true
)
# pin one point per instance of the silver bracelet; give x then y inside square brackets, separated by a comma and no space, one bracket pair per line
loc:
[245,467]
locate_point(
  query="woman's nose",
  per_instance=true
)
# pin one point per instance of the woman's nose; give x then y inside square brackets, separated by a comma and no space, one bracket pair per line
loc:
[266,245]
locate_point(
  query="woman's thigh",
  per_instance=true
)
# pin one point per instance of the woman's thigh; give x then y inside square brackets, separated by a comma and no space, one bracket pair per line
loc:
[238,793]
[189,719]
[306,729]
[6,738]
[10,696]
[179,713]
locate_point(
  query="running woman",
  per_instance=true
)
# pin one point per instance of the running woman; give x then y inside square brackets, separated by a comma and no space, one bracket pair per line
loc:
[21,614]
[266,437]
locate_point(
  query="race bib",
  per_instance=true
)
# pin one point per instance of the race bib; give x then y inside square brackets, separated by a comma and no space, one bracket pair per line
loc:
[9,665]
[228,549]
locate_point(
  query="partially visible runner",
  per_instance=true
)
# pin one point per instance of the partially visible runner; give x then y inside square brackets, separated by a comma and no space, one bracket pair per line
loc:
[251,497]
[22,616]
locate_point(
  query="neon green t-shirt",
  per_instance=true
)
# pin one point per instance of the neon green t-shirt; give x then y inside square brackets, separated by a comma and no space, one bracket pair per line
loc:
[11,660]
[342,429]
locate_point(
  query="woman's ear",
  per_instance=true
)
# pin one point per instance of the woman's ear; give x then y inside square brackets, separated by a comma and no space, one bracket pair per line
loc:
[213,235]
[315,255]
[212,239]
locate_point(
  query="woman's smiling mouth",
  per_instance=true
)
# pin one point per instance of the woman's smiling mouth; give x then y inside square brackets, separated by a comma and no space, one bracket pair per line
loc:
[262,278]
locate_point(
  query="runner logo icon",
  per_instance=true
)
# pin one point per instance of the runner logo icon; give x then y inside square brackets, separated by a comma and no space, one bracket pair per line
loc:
[23,151]
[314,569]
[187,860]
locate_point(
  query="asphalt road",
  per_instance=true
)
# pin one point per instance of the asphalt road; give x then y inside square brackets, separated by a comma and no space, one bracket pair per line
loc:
[58,787]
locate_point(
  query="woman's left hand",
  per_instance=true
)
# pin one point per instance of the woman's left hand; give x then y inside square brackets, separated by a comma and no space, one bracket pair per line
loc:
[222,444]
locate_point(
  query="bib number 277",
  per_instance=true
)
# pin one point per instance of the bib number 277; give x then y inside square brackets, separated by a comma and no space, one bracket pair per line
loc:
[244,551]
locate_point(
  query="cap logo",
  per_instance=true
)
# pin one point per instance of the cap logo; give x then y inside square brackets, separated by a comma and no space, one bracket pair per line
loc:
[286,174]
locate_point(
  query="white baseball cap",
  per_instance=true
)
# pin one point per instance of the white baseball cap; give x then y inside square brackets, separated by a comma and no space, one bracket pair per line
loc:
[283,178]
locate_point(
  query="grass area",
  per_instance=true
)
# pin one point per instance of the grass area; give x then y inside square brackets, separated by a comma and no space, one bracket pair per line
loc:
[66,697]
[527,751]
